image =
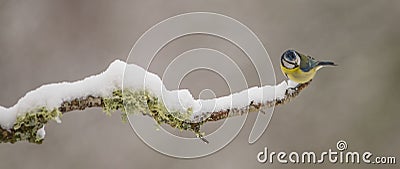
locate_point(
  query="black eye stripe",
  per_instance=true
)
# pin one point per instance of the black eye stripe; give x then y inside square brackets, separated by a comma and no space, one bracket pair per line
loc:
[288,58]
[290,62]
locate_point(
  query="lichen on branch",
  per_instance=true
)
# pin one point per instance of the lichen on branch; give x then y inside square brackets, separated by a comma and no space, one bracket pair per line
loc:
[27,126]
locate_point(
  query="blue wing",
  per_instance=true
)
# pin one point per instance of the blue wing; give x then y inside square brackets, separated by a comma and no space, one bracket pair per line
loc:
[307,63]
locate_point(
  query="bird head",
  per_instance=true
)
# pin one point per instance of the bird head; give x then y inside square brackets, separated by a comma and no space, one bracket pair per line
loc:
[290,59]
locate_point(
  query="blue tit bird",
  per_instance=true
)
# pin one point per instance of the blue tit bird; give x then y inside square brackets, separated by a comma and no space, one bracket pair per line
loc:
[301,68]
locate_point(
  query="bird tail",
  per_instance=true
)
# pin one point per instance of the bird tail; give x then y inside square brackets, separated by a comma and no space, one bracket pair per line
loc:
[326,63]
[322,64]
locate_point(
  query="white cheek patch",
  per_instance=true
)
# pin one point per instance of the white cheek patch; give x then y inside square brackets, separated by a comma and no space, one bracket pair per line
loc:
[288,65]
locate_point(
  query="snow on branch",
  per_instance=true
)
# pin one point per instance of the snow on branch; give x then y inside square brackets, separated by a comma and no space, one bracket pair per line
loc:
[141,92]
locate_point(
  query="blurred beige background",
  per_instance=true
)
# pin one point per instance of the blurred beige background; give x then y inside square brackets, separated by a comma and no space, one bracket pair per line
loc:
[46,41]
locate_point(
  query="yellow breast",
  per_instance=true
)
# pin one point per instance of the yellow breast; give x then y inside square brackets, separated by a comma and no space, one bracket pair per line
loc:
[297,75]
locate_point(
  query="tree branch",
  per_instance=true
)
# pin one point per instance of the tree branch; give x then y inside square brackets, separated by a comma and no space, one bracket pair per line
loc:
[27,125]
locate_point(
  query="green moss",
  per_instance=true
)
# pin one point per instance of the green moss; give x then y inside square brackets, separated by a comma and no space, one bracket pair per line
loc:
[27,125]
[144,102]
[113,103]
[129,102]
